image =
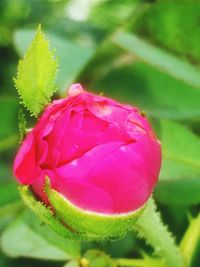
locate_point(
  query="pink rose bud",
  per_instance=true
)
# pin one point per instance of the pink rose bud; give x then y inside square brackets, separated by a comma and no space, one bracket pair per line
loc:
[100,156]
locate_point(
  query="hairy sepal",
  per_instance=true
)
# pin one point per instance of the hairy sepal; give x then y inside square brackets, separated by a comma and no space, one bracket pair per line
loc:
[73,222]
[90,225]
[44,213]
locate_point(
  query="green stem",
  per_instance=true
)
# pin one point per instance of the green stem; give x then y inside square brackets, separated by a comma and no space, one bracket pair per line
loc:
[148,262]
[190,240]
[150,227]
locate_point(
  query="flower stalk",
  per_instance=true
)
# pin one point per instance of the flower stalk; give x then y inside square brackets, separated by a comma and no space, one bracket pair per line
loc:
[151,228]
[146,262]
[190,240]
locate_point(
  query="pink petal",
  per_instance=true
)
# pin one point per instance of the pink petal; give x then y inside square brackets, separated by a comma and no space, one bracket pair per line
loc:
[124,177]
[116,168]
[25,166]
[82,132]
[84,195]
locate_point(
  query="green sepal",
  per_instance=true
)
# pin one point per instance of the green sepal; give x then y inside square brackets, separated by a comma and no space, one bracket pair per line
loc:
[90,225]
[44,213]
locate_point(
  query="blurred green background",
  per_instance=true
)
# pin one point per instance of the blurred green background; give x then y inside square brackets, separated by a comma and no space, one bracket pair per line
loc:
[140,52]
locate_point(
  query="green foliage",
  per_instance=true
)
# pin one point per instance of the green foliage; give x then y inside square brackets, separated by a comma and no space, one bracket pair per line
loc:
[152,90]
[190,239]
[5,174]
[97,258]
[114,11]
[72,56]
[180,174]
[72,263]
[144,53]
[10,203]
[15,13]
[173,25]
[36,240]
[8,119]
[36,74]
[8,193]
[158,58]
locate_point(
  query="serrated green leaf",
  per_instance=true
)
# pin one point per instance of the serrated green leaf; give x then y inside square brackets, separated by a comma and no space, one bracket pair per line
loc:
[73,54]
[27,237]
[36,74]
[180,174]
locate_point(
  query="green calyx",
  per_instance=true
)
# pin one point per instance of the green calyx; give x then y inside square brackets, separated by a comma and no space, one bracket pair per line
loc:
[73,222]
[44,213]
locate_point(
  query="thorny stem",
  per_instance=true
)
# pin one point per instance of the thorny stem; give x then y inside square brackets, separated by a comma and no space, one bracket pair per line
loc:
[151,228]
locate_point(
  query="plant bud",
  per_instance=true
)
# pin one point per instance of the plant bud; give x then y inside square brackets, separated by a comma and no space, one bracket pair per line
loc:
[93,161]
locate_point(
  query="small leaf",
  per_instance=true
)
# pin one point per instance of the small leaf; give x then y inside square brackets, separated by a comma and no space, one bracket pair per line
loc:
[36,74]
[73,55]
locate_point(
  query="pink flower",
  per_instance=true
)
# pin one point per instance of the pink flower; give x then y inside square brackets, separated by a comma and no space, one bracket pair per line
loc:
[99,154]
